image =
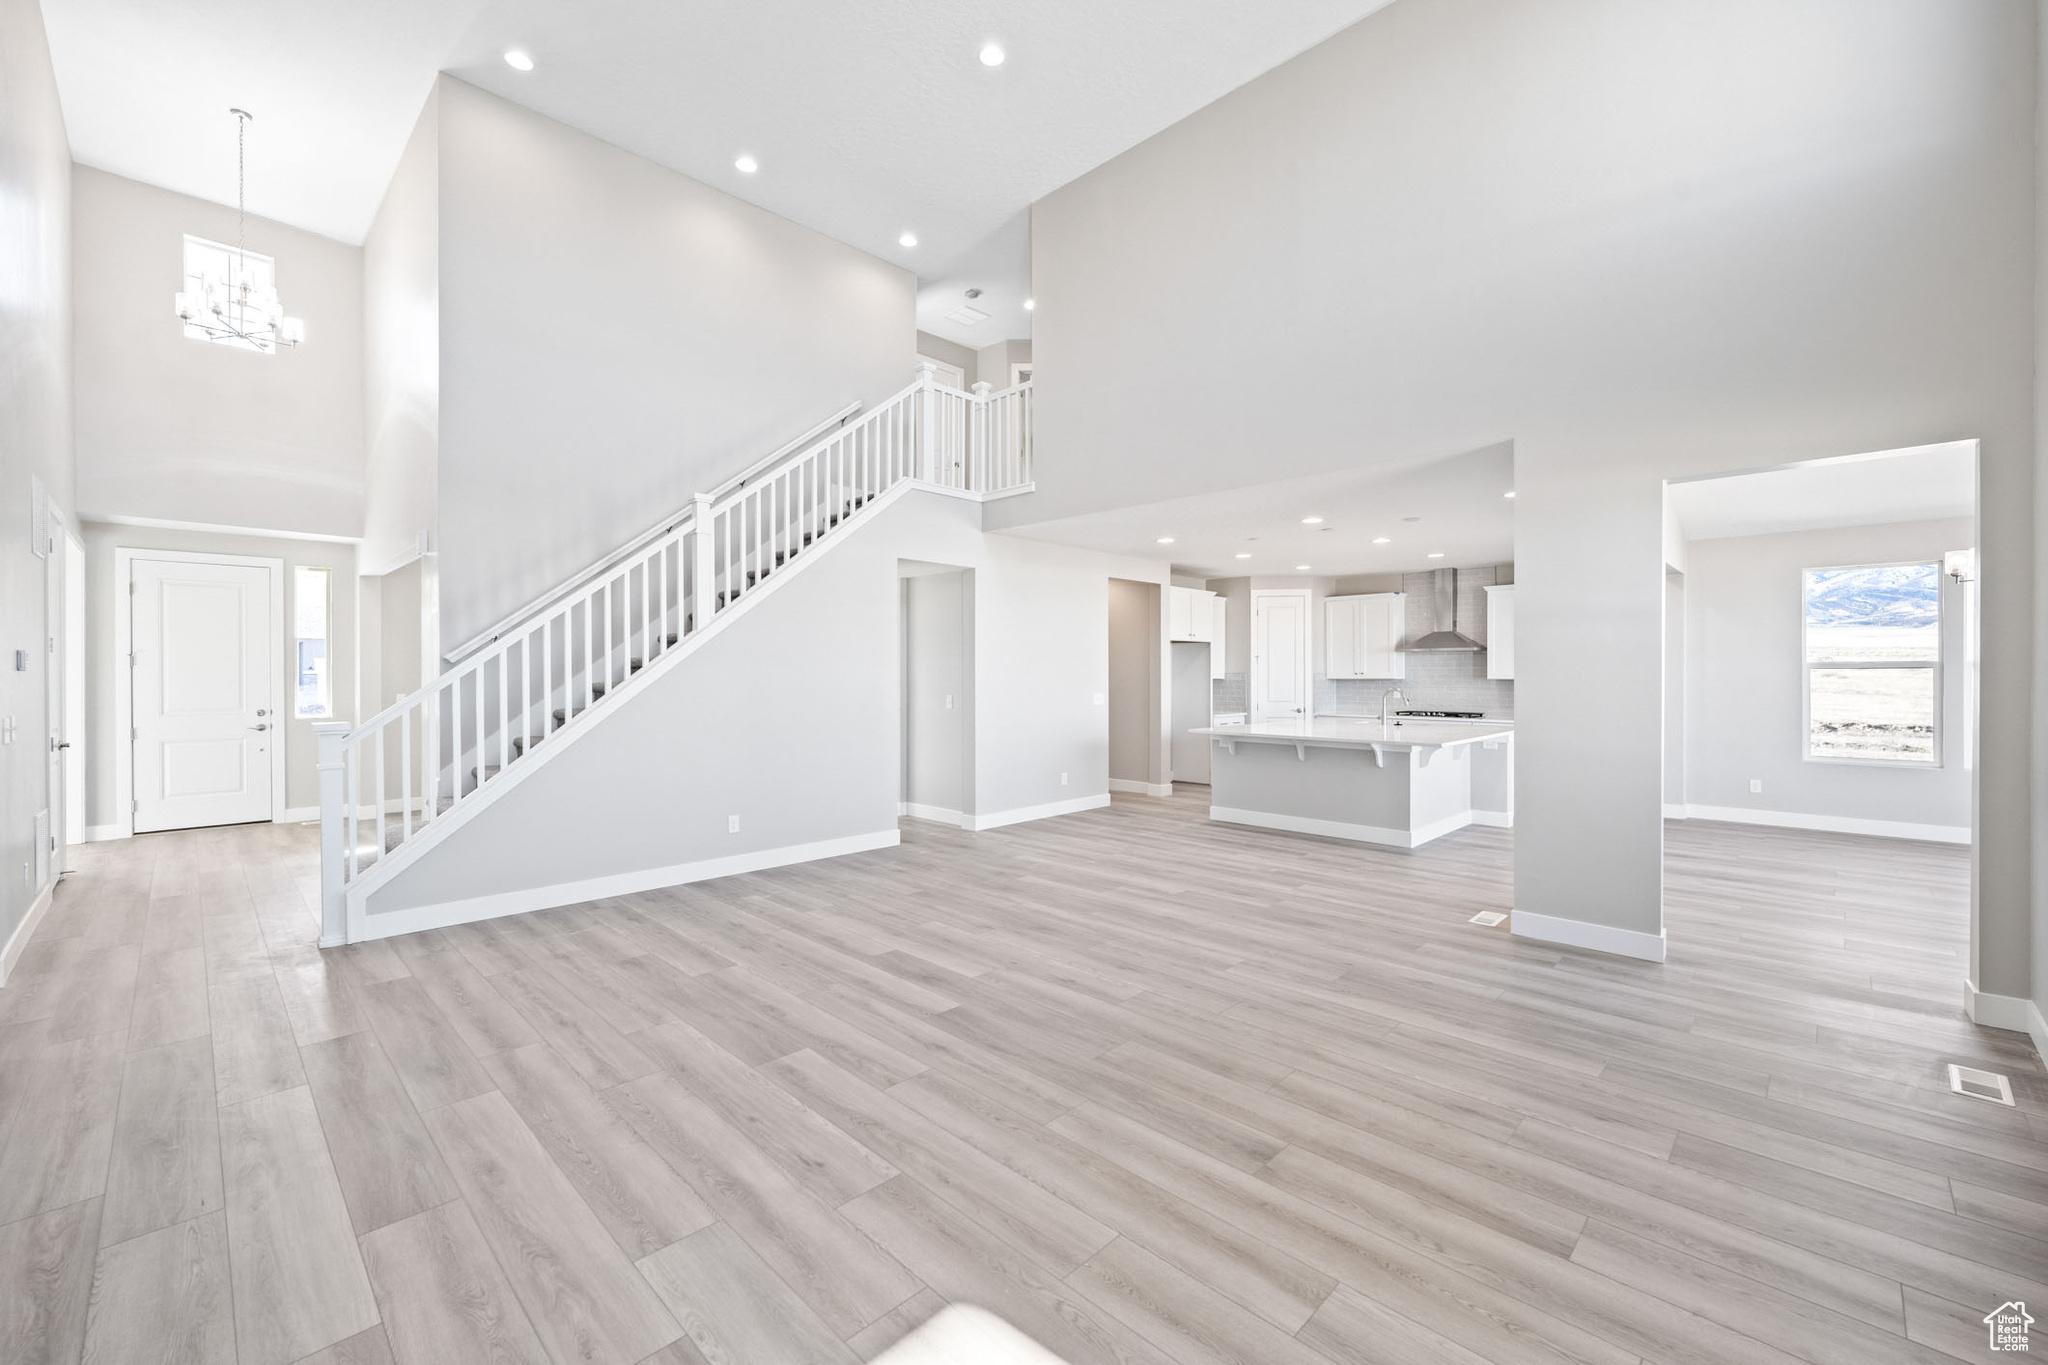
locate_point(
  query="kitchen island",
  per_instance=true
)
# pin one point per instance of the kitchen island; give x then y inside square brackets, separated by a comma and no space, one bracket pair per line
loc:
[1401,784]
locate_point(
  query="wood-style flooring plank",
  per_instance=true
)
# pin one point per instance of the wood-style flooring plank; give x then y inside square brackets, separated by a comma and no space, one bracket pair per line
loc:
[388,1167]
[442,1295]
[733,1307]
[166,1152]
[46,1264]
[164,1298]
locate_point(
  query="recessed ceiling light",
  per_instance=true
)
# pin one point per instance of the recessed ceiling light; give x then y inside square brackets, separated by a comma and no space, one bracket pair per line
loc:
[1301,568]
[1244,554]
[991,55]
[907,239]
[1030,304]
[1436,554]
[518,60]
[1166,540]
[745,164]
[1311,521]
[1383,540]
[1509,494]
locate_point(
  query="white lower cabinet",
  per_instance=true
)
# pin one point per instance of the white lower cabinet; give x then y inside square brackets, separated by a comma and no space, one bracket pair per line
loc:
[1360,635]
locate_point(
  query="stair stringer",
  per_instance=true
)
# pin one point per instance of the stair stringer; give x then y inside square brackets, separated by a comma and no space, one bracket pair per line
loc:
[575,820]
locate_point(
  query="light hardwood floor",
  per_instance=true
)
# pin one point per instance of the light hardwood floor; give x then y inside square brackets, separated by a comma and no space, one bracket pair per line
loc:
[1152,1089]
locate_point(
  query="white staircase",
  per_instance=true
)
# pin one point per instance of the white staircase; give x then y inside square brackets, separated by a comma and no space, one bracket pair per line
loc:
[395,785]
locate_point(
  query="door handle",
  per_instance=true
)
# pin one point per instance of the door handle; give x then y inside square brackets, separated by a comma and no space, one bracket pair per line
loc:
[259,727]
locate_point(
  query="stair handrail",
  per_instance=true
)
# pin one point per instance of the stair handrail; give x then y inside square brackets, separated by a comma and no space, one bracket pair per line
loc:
[653,533]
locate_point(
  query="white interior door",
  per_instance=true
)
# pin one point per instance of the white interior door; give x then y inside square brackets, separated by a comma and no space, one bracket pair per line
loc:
[1281,678]
[71,742]
[205,692]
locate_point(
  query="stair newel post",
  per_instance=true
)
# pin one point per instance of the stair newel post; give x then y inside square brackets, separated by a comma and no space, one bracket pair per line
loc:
[977,439]
[927,421]
[332,735]
[703,571]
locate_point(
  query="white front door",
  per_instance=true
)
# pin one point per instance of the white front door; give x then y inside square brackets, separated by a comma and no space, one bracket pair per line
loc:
[205,696]
[1281,680]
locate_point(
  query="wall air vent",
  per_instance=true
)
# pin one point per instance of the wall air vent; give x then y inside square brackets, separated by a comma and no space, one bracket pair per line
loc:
[1486,919]
[1979,1085]
[967,315]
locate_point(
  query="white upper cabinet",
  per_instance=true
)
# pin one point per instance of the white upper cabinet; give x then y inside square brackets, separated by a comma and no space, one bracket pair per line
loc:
[1191,614]
[1360,635]
[1500,631]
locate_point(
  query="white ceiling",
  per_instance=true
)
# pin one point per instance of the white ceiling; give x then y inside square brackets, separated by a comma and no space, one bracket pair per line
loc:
[867,119]
[1454,505]
[1921,484]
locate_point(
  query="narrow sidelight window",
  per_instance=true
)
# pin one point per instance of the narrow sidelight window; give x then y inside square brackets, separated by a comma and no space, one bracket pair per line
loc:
[312,681]
[1873,663]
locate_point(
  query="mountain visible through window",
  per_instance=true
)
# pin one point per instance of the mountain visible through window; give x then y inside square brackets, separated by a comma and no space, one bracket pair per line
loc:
[1873,656]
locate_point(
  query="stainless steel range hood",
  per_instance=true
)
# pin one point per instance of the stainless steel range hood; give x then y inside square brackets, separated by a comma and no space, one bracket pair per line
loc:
[1445,637]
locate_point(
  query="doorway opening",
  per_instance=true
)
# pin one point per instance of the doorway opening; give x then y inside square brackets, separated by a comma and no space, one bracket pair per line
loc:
[1136,764]
[937,776]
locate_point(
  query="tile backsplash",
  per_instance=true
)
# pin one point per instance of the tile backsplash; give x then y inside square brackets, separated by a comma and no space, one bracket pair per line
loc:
[1435,681]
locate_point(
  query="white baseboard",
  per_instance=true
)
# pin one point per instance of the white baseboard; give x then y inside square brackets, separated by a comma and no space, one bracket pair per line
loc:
[1496,819]
[298,815]
[1125,784]
[2014,1012]
[99,834]
[1339,829]
[1831,824]
[1023,813]
[1673,812]
[413,919]
[936,814]
[17,942]
[1601,938]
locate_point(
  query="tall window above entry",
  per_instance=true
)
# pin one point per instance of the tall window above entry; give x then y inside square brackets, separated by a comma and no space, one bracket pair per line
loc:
[1873,663]
[312,680]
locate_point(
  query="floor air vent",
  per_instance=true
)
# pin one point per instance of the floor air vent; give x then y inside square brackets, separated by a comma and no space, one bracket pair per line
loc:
[1488,918]
[1979,1085]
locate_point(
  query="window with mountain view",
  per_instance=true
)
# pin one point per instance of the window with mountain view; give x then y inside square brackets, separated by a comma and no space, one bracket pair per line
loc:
[1873,659]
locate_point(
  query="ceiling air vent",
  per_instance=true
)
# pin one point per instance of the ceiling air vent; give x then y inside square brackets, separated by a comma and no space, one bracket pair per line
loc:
[1979,1085]
[966,315]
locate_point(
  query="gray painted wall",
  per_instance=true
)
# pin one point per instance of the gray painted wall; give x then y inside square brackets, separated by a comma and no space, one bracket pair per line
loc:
[107,733]
[935,687]
[792,718]
[176,429]
[1744,677]
[952,352]
[1133,678]
[616,337]
[35,414]
[1547,223]
[1675,630]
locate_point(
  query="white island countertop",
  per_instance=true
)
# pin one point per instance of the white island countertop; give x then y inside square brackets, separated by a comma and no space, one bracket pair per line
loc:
[1345,732]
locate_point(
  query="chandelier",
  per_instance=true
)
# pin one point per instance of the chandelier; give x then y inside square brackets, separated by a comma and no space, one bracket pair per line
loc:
[231,294]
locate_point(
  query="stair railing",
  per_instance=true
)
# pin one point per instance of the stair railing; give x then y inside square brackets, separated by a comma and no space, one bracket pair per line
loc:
[399,773]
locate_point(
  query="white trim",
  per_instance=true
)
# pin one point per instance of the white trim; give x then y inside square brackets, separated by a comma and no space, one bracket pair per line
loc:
[2014,1012]
[1338,829]
[17,942]
[300,815]
[937,814]
[99,834]
[1674,811]
[1832,824]
[160,524]
[1135,788]
[124,672]
[1577,933]
[1494,819]
[1023,813]
[439,916]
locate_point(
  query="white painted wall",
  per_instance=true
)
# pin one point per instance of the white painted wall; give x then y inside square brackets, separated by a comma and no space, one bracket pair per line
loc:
[937,642]
[616,337]
[402,355]
[176,429]
[1675,632]
[35,414]
[1641,242]
[107,732]
[792,719]
[1744,678]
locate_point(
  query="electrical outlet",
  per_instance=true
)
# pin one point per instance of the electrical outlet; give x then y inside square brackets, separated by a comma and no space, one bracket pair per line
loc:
[1063,779]
[1756,784]
[732,824]
[949,701]
[1101,698]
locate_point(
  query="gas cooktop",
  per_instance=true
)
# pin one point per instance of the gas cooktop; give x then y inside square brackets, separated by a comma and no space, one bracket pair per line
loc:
[1445,715]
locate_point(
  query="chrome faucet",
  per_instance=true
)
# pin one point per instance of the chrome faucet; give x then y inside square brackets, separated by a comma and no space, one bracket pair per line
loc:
[1386,697]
